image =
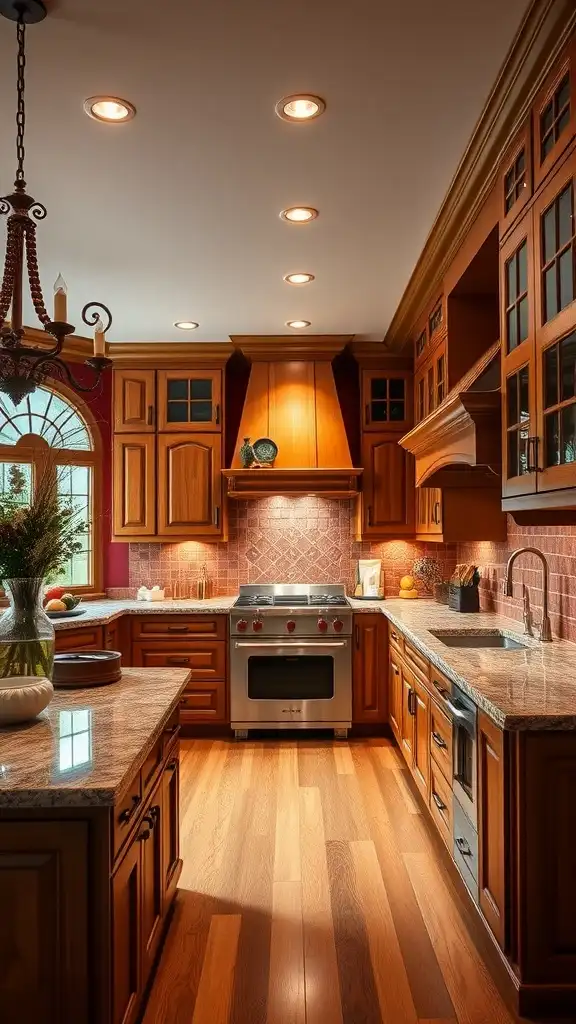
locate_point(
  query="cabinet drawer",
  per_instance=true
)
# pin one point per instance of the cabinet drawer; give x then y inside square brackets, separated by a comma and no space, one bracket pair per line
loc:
[203,702]
[206,660]
[88,639]
[440,686]
[196,627]
[466,850]
[441,804]
[150,767]
[396,639]
[416,661]
[171,729]
[126,812]
[441,741]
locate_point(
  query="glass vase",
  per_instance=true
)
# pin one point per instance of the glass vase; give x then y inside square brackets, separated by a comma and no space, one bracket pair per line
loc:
[26,633]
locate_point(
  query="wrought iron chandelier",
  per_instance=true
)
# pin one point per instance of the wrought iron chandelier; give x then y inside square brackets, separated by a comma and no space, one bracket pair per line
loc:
[24,367]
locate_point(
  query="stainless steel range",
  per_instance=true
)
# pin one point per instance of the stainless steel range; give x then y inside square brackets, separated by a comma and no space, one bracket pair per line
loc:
[291,658]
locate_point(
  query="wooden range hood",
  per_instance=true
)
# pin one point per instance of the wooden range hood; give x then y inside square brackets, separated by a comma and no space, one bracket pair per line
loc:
[292,399]
[459,444]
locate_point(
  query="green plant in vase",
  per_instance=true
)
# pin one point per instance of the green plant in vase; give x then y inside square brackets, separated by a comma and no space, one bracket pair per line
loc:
[37,538]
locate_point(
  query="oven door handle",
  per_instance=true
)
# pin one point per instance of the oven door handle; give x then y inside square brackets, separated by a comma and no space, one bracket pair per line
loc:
[464,715]
[290,643]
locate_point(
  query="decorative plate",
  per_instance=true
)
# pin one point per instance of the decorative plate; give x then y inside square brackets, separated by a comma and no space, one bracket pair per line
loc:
[66,615]
[265,450]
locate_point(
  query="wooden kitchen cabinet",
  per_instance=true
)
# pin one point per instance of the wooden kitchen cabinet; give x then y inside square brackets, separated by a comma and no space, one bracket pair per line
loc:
[492,826]
[554,114]
[421,709]
[369,669]
[134,485]
[126,936]
[189,485]
[190,400]
[453,515]
[386,400]
[171,863]
[408,716]
[387,488]
[205,659]
[428,512]
[515,178]
[134,401]
[395,695]
[87,638]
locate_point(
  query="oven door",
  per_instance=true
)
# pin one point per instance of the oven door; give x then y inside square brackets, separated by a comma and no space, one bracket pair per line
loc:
[286,684]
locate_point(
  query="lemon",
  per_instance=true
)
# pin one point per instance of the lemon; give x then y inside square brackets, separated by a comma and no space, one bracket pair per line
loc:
[407,583]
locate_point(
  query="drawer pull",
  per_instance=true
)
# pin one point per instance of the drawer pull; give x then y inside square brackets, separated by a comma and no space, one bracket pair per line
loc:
[129,812]
[171,766]
[174,728]
[441,689]
[173,660]
[152,817]
[463,846]
[177,629]
[439,803]
[438,740]
[183,702]
[412,702]
[143,836]
[394,636]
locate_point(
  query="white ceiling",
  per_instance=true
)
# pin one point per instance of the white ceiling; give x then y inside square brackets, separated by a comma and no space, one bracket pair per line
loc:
[175,215]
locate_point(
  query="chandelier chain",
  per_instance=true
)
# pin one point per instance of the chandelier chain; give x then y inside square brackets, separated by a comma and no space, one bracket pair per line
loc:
[21,106]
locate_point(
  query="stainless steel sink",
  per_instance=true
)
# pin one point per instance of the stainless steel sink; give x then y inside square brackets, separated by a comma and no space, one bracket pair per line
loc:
[478,638]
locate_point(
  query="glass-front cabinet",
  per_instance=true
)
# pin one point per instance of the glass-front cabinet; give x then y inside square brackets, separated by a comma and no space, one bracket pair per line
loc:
[189,400]
[387,400]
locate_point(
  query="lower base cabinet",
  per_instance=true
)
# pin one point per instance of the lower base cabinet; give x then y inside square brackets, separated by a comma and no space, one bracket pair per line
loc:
[369,689]
[491,825]
[421,766]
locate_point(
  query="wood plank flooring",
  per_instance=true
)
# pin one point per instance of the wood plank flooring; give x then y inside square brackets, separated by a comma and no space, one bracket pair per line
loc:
[313,893]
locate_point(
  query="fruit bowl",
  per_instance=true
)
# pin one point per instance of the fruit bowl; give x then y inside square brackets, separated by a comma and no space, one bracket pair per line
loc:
[58,602]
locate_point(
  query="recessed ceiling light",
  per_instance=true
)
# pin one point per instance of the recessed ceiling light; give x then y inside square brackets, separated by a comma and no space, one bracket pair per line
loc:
[297,324]
[298,278]
[300,107]
[186,325]
[110,109]
[299,214]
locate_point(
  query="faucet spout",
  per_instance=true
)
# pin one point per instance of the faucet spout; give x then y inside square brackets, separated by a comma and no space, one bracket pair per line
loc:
[545,628]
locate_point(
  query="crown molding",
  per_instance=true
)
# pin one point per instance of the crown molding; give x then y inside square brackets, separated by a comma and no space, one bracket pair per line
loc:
[541,37]
[167,354]
[278,348]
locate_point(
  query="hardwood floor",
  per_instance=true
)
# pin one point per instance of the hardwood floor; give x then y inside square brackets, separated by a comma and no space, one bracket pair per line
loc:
[313,893]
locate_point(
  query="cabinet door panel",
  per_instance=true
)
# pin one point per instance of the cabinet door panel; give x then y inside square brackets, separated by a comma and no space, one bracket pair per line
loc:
[554,248]
[386,400]
[421,707]
[44,922]
[491,825]
[126,932]
[388,487]
[171,863]
[134,493]
[368,671]
[134,401]
[189,485]
[407,730]
[203,702]
[395,697]
[205,659]
[152,882]
[190,400]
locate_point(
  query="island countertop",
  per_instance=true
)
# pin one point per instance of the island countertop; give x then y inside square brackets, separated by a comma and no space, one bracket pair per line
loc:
[533,688]
[84,748]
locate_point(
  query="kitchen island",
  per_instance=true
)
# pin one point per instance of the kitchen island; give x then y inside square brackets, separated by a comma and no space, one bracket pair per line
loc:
[89,849]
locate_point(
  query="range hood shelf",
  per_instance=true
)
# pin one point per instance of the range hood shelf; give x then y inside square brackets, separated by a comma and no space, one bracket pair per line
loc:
[291,398]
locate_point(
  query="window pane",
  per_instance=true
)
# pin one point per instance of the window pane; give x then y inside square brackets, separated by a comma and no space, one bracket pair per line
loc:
[523,319]
[513,453]
[397,389]
[200,412]
[201,389]
[562,122]
[520,163]
[397,411]
[46,414]
[547,145]
[177,412]
[509,181]
[551,375]
[512,328]
[550,294]
[16,482]
[568,450]
[512,400]
[546,118]
[177,389]
[565,226]
[378,389]
[552,453]
[524,393]
[566,278]
[511,291]
[563,93]
[379,412]
[75,488]
[568,365]
[522,452]
[549,234]
[522,268]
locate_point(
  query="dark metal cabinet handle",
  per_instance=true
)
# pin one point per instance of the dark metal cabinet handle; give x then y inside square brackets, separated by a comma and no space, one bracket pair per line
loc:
[369,515]
[436,513]
[412,702]
[144,835]
[463,846]
[217,516]
[441,689]
[177,629]
[172,765]
[532,454]
[177,661]
[173,728]
[183,702]
[439,803]
[438,740]
[217,414]
[150,416]
[129,812]
[367,414]
[357,636]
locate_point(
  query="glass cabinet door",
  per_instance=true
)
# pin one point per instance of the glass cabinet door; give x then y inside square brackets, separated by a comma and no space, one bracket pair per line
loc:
[555,254]
[387,400]
[558,415]
[189,400]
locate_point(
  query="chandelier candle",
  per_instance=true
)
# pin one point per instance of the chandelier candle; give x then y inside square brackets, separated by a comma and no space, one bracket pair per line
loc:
[23,367]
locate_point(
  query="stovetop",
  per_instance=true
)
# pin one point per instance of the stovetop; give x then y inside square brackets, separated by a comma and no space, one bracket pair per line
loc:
[291,595]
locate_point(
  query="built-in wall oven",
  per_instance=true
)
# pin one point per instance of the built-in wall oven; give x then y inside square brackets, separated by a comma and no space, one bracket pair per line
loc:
[291,659]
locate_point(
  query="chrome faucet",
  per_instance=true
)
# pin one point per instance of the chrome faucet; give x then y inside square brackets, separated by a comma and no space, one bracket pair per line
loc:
[545,629]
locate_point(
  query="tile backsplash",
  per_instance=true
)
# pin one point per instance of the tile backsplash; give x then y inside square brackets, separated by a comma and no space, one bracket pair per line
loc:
[303,540]
[558,544]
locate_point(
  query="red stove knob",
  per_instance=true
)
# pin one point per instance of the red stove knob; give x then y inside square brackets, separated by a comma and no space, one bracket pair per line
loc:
[257,625]
[322,625]
[290,625]
[241,625]
[338,625]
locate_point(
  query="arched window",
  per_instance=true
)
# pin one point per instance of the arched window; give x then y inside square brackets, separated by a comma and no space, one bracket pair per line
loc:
[59,420]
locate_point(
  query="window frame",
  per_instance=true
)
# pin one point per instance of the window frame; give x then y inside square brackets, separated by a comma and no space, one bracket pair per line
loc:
[32,449]
[567,63]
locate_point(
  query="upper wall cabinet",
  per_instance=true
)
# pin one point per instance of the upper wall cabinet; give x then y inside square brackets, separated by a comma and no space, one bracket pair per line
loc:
[386,400]
[134,401]
[554,115]
[515,179]
[189,400]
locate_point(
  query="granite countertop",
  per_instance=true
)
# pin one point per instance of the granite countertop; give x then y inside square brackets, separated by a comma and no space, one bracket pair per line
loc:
[533,688]
[84,749]
[100,613]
